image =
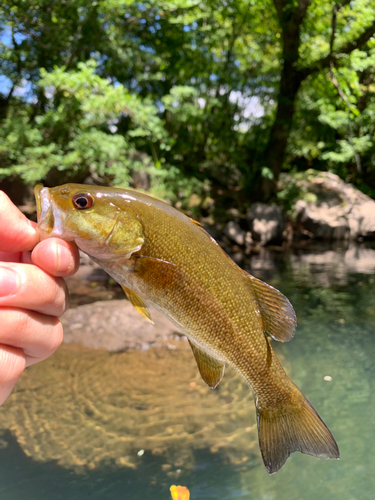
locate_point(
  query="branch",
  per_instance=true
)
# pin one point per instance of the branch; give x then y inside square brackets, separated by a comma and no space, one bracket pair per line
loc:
[342,4]
[326,61]
[356,44]
[17,51]
[335,9]
[279,4]
[4,103]
[349,107]
[333,29]
[8,97]
[284,6]
[302,8]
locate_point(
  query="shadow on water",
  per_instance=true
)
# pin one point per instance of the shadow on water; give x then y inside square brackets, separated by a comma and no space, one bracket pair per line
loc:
[88,424]
[22,477]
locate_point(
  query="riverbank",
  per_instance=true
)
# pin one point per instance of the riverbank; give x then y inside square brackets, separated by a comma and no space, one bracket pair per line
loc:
[310,206]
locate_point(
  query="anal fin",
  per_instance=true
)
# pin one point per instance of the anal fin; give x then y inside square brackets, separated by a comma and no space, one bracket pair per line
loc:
[211,369]
[138,303]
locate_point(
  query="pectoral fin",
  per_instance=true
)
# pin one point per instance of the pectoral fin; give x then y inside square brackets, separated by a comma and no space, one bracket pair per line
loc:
[279,317]
[211,369]
[138,303]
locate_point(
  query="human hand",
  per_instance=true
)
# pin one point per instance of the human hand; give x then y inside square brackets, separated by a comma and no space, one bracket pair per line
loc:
[33,293]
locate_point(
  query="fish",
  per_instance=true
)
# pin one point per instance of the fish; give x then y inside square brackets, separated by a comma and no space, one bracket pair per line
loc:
[163,258]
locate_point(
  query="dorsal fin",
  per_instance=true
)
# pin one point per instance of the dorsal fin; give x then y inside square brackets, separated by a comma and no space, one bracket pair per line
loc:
[211,369]
[195,222]
[138,303]
[206,233]
[279,317]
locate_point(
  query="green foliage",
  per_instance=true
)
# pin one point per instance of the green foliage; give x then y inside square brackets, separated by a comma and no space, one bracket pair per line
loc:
[336,112]
[76,133]
[293,187]
[184,92]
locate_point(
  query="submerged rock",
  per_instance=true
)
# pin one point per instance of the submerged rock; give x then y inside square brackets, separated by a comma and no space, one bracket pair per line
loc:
[337,211]
[86,409]
[115,326]
[266,223]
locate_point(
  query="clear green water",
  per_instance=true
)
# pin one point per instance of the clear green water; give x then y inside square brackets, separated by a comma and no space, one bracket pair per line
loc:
[75,424]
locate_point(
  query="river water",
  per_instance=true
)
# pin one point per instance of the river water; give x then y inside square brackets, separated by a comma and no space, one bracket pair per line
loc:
[88,424]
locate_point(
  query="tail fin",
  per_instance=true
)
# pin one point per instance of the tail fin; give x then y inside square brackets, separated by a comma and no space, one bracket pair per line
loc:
[294,428]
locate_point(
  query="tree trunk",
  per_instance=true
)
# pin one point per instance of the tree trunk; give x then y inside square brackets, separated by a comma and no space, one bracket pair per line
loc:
[290,82]
[290,17]
[4,104]
[276,147]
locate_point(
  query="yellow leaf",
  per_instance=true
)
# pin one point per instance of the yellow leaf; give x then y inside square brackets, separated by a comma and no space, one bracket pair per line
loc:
[179,493]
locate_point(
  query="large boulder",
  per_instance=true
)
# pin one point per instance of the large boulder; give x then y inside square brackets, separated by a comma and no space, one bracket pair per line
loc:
[322,221]
[337,210]
[266,223]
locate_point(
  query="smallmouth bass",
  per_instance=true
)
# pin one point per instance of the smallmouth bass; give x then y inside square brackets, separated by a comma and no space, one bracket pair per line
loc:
[163,258]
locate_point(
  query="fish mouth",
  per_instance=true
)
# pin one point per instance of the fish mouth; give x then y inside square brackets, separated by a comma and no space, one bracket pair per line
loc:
[49,220]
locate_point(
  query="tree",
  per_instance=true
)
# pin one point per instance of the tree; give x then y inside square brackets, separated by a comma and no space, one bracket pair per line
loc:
[215,98]
[295,71]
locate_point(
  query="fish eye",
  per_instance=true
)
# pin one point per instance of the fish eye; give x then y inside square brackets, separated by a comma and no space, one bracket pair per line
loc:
[83,201]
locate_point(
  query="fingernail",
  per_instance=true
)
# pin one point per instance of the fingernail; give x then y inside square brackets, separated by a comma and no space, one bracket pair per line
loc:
[64,259]
[8,281]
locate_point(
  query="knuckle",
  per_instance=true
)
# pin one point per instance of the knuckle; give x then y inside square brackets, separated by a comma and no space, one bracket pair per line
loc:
[54,296]
[21,322]
[57,337]
[65,294]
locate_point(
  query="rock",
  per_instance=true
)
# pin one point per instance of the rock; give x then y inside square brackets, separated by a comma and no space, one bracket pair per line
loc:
[338,210]
[266,223]
[362,220]
[321,221]
[140,180]
[234,232]
[115,326]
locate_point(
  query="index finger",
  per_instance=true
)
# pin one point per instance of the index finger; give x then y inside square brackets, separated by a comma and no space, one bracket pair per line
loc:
[17,233]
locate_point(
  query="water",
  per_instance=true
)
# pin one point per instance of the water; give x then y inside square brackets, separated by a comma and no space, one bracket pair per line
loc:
[87,424]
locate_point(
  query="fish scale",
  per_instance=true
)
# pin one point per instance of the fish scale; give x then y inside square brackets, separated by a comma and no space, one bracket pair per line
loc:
[162,258]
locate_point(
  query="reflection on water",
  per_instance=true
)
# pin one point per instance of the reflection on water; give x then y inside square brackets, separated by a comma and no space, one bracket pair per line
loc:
[90,424]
